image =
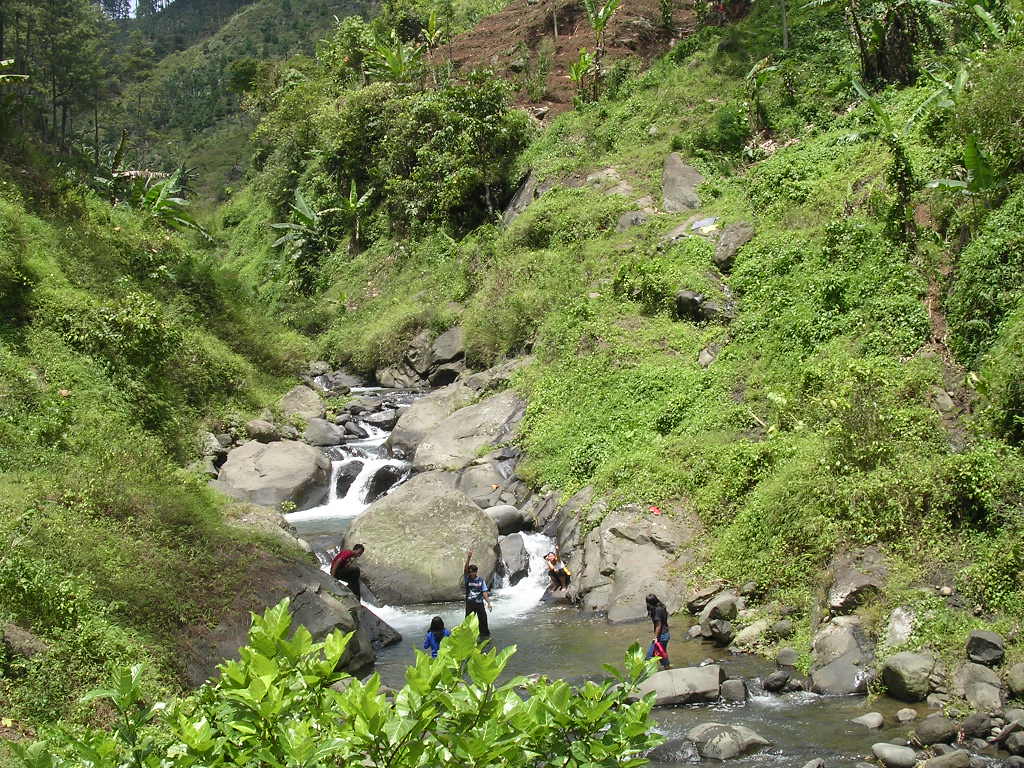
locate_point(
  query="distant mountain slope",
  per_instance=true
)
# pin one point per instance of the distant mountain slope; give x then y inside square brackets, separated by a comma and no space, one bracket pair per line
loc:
[187,110]
[184,23]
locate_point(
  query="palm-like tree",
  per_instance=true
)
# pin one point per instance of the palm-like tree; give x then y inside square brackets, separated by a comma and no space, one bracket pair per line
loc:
[392,59]
[599,18]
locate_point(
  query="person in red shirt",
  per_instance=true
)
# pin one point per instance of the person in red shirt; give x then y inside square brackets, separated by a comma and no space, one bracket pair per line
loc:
[343,570]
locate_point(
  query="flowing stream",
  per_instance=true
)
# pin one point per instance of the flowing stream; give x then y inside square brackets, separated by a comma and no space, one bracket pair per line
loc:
[557,640]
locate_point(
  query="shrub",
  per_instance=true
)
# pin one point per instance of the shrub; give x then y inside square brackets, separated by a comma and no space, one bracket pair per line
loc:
[990,109]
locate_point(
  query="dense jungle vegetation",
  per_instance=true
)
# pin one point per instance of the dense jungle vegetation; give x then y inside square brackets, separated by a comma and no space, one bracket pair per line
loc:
[869,388]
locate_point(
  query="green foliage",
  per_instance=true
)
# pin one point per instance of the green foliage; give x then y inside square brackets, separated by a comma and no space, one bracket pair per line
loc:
[986,110]
[1002,380]
[988,282]
[280,704]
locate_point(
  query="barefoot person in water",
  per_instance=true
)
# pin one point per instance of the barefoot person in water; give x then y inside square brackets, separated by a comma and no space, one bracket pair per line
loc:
[659,615]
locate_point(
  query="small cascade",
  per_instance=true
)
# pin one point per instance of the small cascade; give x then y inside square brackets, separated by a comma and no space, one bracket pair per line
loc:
[510,604]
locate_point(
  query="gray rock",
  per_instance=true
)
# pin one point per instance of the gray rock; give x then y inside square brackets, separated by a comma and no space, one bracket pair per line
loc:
[734,237]
[899,628]
[1015,679]
[381,633]
[261,430]
[336,383]
[209,445]
[347,473]
[708,355]
[483,482]
[937,700]
[980,686]
[786,657]
[725,605]
[272,473]
[679,184]
[907,675]
[515,558]
[675,751]
[303,402]
[906,715]
[507,518]
[855,577]
[749,635]
[985,647]
[686,685]
[958,758]
[458,440]
[400,376]
[815,763]
[420,418]
[693,632]
[870,720]
[689,305]
[21,643]
[1014,743]
[321,432]
[385,419]
[204,466]
[449,346]
[976,724]
[716,741]
[442,375]
[782,629]
[355,430]
[893,756]
[631,219]
[935,729]
[383,480]
[734,690]
[721,632]
[842,658]
[416,540]
[695,603]
[317,602]
[776,681]
[419,356]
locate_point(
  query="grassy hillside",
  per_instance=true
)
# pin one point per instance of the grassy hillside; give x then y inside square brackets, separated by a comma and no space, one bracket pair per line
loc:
[867,391]
[118,339]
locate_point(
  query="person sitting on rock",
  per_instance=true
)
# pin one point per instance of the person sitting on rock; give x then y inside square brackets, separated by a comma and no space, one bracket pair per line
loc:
[659,615]
[344,571]
[477,593]
[556,570]
[436,633]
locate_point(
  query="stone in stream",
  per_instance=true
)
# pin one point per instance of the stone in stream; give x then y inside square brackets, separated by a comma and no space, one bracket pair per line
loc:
[935,729]
[842,658]
[347,473]
[871,720]
[385,419]
[976,724]
[724,606]
[985,647]
[980,686]
[750,634]
[515,558]
[734,690]
[815,763]
[693,632]
[907,675]
[272,473]
[416,540]
[716,741]
[674,751]
[1014,743]
[303,402]
[416,421]
[507,518]
[906,715]
[721,632]
[381,633]
[383,480]
[355,430]
[686,685]
[893,756]
[321,432]
[958,758]
[776,681]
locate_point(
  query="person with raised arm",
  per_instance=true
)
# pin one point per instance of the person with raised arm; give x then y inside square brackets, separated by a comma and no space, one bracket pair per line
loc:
[477,594]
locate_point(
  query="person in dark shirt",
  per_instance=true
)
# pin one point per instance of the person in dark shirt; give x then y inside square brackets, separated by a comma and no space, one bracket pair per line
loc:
[436,633]
[343,570]
[477,594]
[659,615]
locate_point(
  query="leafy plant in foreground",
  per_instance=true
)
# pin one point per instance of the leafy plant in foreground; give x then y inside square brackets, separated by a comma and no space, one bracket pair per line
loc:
[284,703]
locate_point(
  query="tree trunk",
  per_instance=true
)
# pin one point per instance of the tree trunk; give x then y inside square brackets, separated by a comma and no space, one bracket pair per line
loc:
[785,26]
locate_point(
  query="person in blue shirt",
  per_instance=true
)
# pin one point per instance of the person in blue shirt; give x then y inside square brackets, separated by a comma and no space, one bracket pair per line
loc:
[436,633]
[477,594]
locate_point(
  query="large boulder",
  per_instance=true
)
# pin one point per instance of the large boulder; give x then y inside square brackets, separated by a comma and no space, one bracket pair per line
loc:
[734,237]
[679,183]
[686,685]
[383,480]
[723,606]
[630,554]
[984,647]
[264,431]
[272,473]
[449,346]
[980,686]
[420,418]
[855,577]
[515,558]
[400,376]
[893,756]
[21,643]
[321,432]
[317,602]
[347,474]
[935,729]
[716,741]
[842,658]
[1015,679]
[506,517]
[303,402]
[899,628]
[416,541]
[458,440]
[906,675]
[380,632]
[750,634]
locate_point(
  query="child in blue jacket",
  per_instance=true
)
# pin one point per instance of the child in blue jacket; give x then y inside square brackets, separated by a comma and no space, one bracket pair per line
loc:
[436,633]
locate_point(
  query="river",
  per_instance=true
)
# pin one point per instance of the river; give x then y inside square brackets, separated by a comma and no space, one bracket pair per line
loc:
[557,640]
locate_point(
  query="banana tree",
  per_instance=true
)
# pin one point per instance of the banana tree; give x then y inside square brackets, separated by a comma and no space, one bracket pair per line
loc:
[580,69]
[392,59]
[599,18]
[304,238]
[354,207]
